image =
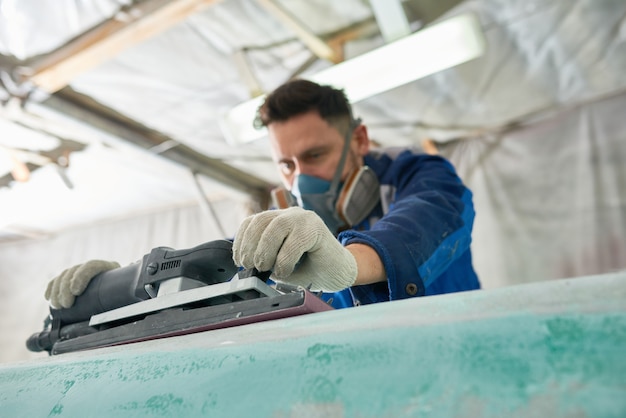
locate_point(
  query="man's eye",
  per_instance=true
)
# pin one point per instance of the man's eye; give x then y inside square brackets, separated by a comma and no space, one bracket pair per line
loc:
[286,167]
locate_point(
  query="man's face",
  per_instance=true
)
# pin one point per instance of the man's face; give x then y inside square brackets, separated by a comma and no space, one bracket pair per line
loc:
[307,144]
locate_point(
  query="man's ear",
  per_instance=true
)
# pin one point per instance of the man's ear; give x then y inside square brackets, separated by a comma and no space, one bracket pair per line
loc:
[362,140]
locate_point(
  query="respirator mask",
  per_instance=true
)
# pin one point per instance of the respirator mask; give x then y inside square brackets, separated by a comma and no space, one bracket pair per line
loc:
[339,204]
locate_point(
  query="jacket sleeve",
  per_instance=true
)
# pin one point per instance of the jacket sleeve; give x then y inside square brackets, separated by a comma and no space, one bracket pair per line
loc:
[427,227]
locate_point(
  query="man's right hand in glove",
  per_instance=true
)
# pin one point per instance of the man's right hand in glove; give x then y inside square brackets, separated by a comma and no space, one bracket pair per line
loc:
[299,249]
[72,282]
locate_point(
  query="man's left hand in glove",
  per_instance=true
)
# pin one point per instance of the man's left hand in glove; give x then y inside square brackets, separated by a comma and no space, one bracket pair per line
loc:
[299,249]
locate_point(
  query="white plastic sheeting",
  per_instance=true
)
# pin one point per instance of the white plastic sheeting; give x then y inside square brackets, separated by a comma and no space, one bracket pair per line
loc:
[547,207]
[106,183]
[32,27]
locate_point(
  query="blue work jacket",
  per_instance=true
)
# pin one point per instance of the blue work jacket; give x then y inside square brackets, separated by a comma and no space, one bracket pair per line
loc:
[421,229]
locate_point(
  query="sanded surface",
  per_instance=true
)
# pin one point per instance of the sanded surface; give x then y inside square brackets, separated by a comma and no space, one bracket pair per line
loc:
[547,349]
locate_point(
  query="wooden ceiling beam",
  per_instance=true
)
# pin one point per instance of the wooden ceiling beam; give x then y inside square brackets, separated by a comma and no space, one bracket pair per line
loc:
[140,22]
[312,41]
[359,30]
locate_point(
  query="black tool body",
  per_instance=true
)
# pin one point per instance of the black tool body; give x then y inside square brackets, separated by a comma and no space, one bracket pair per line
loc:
[208,263]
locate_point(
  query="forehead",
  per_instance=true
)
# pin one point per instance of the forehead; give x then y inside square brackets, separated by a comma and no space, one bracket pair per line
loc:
[301,133]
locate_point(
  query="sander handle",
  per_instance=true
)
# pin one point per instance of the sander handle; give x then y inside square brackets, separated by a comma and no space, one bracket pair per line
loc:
[210,263]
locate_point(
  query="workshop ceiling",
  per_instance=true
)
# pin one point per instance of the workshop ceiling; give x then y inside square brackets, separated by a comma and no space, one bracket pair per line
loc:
[111,108]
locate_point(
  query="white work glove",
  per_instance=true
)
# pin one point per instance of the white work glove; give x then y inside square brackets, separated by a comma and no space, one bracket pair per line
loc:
[72,282]
[277,240]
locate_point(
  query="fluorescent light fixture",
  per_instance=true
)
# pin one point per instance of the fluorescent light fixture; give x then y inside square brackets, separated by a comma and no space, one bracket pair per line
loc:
[436,48]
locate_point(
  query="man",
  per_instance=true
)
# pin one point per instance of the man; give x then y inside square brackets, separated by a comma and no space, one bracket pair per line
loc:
[405,232]
[370,226]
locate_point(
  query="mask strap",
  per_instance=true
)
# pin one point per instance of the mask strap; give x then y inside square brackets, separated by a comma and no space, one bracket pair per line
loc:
[337,177]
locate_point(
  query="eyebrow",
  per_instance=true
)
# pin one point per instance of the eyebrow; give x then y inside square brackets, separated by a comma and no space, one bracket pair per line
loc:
[314,150]
[305,153]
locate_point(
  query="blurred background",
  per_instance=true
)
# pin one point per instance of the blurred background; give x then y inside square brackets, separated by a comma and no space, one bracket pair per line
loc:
[119,129]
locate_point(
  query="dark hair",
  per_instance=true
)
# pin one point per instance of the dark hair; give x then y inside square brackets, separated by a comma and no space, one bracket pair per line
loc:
[301,96]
